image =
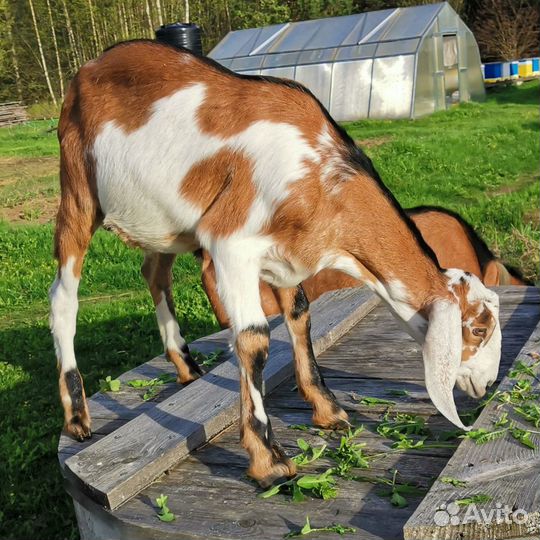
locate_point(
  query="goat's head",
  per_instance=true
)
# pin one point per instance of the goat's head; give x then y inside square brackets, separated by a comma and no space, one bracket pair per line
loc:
[463,342]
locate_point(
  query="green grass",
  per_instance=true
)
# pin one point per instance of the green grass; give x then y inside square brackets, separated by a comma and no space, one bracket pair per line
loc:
[33,139]
[478,159]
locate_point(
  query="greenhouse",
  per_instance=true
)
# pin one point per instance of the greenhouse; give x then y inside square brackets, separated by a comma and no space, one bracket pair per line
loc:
[394,63]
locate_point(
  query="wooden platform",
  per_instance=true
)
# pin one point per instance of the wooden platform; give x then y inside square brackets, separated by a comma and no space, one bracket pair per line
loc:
[208,490]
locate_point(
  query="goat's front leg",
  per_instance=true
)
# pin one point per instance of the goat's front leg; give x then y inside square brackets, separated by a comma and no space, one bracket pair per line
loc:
[238,287]
[157,270]
[326,411]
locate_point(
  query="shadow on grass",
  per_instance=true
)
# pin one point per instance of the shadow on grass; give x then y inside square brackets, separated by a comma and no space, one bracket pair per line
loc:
[525,94]
[33,503]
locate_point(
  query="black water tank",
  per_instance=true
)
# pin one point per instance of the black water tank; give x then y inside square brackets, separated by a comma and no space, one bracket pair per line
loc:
[179,34]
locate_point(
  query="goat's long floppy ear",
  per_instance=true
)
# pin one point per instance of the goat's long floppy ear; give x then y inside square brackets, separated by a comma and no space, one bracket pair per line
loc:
[442,357]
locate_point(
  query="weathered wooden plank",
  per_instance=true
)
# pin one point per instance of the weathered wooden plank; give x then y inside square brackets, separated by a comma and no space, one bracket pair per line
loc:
[118,466]
[369,354]
[504,469]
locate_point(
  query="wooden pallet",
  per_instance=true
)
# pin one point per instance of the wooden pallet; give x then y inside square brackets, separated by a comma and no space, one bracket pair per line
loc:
[207,488]
[11,113]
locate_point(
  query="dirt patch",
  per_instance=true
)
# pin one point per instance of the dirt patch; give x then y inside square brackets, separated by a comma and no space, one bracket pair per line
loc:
[372,143]
[32,211]
[15,169]
[522,182]
[532,217]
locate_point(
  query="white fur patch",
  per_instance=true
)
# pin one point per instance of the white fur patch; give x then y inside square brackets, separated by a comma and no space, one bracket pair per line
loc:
[168,327]
[238,263]
[139,174]
[394,293]
[63,316]
[258,405]
[481,369]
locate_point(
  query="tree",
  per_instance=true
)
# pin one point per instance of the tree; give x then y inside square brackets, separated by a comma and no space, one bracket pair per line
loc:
[507,29]
[44,66]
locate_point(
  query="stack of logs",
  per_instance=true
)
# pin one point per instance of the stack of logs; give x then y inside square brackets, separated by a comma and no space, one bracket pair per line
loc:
[12,112]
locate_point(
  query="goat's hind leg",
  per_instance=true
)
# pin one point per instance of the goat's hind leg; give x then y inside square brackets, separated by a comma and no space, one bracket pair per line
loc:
[157,270]
[75,226]
[326,411]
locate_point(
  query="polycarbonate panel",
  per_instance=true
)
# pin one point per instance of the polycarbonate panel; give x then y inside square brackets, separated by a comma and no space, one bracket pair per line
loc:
[231,45]
[375,22]
[317,56]
[358,51]
[332,32]
[411,23]
[225,62]
[317,78]
[294,38]
[351,81]
[250,72]
[285,72]
[473,74]
[391,87]
[247,62]
[448,20]
[266,34]
[393,48]
[281,59]
[425,87]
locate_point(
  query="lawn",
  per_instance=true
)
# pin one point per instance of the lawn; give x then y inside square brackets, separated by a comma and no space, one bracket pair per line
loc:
[478,159]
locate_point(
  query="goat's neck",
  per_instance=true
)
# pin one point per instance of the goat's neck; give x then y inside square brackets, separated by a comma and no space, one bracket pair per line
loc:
[391,256]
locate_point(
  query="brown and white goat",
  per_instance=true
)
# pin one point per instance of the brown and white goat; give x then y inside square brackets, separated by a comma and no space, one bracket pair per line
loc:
[454,242]
[173,152]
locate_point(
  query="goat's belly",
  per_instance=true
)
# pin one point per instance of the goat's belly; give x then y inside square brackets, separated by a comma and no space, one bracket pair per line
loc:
[147,220]
[282,272]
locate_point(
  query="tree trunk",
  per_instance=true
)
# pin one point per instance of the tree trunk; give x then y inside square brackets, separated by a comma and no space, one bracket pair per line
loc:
[71,38]
[160,14]
[149,19]
[42,55]
[97,44]
[56,52]
[14,57]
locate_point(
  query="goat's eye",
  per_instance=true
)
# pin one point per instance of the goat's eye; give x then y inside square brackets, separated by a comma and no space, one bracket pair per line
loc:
[479,332]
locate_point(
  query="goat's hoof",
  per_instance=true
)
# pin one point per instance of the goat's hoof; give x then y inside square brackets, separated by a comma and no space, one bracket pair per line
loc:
[79,428]
[186,380]
[338,419]
[276,473]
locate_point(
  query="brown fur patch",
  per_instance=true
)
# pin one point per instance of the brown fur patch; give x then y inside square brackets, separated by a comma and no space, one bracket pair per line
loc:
[449,240]
[222,187]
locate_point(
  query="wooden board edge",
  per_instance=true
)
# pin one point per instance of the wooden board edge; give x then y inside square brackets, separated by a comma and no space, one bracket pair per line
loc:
[417,529]
[361,300]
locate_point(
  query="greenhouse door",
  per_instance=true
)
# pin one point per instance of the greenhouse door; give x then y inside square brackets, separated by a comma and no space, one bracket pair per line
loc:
[451,68]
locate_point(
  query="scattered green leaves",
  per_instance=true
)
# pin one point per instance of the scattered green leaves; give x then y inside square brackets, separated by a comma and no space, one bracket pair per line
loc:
[300,427]
[349,454]
[151,384]
[401,426]
[164,513]
[308,529]
[453,481]
[523,436]
[309,453]
[371,401]
[397,490]
[322,486]
[483,435]
[206,360]
[475,499]
[109,384]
